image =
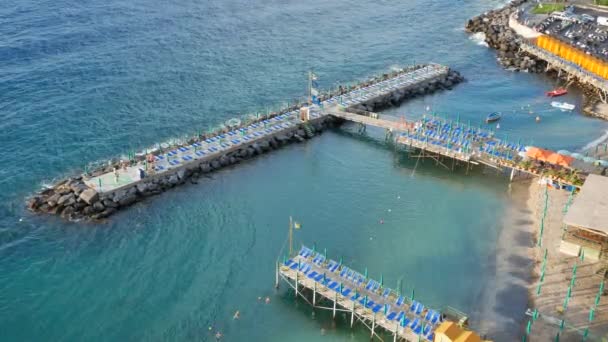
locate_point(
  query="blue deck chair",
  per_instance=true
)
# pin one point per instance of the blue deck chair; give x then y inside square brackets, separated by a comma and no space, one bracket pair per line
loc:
[294,266]
[404,322]
[387,291]
[187,158]
[414,306]
[316,258]
[346,291]
[222,136]
[400,301]
[312,274]
[200,153]
[369,285]
[159,168]
[428,315]
[333,285]
[208,141]
[391,315]
[183,149]
[355,296]
[370,303]
[435,317]
[157,158]
[319,277]
[376,286]
[419,309]
[344,271]
[174,162]
[335,267]
[288,263]
[415,323]
[210,150]
[427,330]
[377,307]
[330,265]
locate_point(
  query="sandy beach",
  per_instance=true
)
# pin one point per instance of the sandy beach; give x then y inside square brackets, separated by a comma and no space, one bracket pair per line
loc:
[558,276]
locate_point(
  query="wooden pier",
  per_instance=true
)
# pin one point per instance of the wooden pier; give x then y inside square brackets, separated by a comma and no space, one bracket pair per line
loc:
[330,285]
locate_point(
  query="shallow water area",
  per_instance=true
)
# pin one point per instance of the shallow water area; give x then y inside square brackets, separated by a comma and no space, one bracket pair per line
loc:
[91,81]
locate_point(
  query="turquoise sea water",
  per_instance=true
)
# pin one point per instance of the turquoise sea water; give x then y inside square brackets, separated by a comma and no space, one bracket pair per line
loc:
[87,81]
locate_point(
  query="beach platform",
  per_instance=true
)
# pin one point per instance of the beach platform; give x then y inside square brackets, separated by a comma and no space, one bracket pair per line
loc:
[318,280]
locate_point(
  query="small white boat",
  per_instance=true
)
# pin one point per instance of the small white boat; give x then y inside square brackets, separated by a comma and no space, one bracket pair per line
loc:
[562,105]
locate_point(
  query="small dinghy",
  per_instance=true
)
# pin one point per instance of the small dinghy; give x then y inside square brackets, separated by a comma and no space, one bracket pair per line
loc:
[493,117]
[562,105]
[557,92]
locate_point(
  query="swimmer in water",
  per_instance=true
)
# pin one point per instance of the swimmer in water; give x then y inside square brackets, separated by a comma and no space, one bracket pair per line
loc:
[267,300]
[538,119]
[497,126]
[218,335]
[381,221]
[237,315]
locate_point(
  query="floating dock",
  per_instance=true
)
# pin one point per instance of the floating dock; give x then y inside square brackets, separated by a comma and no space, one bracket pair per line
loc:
[318,280]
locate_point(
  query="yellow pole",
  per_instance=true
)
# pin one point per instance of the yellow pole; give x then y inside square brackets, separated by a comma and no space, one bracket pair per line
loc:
[290,235]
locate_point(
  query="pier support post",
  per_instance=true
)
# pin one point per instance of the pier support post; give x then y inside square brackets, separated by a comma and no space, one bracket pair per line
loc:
[335,301]
[352,315]
[276,277]
[512,175]
[373,325]
[396,332]
[296,285]
[314,294]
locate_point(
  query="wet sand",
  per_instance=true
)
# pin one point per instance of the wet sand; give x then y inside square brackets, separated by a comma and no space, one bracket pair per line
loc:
[504,302]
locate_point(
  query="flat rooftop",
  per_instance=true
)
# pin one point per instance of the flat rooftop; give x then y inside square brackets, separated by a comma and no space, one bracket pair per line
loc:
[590,208]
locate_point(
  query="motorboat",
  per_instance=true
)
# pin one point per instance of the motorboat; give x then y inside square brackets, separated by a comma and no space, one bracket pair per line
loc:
[562,105]
[557,92]
[493,117]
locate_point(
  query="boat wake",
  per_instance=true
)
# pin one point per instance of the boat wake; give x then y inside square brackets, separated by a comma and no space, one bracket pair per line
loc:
[596,142]
[479,38]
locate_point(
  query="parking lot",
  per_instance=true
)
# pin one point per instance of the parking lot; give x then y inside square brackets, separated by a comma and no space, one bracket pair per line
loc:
[579,28]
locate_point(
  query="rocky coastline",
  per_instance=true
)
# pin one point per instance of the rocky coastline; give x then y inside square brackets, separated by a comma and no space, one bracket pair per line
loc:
[73,200]
[499,36]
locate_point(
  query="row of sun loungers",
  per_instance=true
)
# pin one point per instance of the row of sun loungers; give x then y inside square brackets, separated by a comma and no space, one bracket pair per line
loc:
[408,317]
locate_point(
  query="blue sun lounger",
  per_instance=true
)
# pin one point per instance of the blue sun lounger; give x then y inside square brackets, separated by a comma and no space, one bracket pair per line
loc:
[305,252]
[377,308]
[370,303]
[294,266]
[344,271]
[416,327]
[435,317]
[333,285]
[312,274]
[171,153]
[174,162]
[427,330]
[332,266]
[208,141]
[428,316]
[387,291]
[183,149]
[289,262]
[157,158]
[318,278]
[346,291]
[159,168]
[391,315]
[187,158]
[369,285]
[404,322]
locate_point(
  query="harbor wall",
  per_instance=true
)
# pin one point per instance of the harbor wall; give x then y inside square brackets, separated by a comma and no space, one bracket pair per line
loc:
[72,199]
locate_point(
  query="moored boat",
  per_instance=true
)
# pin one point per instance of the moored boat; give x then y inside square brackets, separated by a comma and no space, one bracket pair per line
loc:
[562,105]
[557,92]
[493,117]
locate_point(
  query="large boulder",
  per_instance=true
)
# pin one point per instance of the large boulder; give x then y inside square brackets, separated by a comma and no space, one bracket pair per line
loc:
[110,204]
[89,196]
[127,200]
[98,207]
[67,212]
[67,199]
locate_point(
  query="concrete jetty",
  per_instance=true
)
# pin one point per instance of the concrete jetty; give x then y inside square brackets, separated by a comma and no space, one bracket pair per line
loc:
[100,193]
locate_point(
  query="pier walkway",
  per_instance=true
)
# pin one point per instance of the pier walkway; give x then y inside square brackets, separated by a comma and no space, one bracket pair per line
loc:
[364,299]
[168,159]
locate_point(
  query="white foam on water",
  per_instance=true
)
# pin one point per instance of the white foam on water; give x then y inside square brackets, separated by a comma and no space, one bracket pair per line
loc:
[596,142]
[479,38]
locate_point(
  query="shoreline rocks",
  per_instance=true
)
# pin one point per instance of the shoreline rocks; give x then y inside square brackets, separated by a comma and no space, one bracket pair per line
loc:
[72,199]
[499,36]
